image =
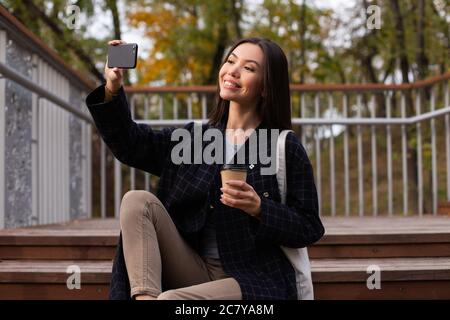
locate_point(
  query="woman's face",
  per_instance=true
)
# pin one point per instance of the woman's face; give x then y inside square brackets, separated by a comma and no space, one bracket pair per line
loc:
[241,76]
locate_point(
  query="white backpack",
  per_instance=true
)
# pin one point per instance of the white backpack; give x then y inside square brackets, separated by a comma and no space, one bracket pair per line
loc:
[298,257]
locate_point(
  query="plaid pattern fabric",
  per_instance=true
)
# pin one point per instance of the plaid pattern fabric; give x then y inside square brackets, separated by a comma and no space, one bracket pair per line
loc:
[249,248]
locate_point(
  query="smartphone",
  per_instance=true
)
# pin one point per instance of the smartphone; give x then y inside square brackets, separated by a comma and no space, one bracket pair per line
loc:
[123,56]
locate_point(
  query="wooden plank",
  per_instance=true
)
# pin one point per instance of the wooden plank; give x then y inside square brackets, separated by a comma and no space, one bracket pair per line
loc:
[53,271]
[58,253]
[46,291]
[372,238]
[59,240]
[392,269]
[388,263]
[383,230]
[324,270]
[87,232]
[386,225]
[110,224]
[322,291]
[424,290]
[385,250]
[334,226]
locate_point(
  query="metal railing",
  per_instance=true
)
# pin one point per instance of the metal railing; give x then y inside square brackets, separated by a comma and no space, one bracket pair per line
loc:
[41,92]
[386,136]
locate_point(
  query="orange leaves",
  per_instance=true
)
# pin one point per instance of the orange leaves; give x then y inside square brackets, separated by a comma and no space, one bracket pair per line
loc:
[171,57]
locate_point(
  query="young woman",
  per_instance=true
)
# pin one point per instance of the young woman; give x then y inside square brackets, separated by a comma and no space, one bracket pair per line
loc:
[195,239]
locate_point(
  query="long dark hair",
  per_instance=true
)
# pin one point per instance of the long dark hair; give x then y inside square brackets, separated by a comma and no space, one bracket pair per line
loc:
[274,106]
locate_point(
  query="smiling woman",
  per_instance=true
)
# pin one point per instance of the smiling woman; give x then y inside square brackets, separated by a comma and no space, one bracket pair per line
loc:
[254,79]
[240,79]
[197,239]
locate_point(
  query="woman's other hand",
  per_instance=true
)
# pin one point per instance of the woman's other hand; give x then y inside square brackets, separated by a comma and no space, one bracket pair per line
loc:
[241,195]
[113,76]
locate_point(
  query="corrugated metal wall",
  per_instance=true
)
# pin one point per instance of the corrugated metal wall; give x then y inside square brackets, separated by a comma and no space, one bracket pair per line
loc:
[53,149]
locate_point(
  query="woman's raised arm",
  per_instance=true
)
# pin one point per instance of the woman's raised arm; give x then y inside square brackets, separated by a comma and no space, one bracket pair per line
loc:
[136,145]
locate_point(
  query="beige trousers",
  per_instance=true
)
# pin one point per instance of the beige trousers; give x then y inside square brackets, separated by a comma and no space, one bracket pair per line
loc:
[156,254]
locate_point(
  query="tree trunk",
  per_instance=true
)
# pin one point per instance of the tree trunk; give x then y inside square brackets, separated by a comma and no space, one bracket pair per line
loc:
[405,68]
[302,28]
[400,40]
[236,13]
[112,6]
[219,52]
[388,71]
[367,62]
[421,58]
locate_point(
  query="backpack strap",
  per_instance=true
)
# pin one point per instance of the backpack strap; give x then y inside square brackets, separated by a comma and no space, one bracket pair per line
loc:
[298,257]
[281,164]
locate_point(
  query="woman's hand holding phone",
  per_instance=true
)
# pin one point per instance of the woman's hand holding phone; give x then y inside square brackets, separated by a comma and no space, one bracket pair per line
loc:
[113,76]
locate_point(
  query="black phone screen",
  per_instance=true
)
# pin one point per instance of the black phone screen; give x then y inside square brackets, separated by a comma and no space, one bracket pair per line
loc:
[122,56]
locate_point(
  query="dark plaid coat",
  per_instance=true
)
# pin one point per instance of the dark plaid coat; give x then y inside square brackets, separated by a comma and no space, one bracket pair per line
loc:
[249,248]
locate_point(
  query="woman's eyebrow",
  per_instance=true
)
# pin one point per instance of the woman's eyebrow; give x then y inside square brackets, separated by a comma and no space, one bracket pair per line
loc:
[248,60]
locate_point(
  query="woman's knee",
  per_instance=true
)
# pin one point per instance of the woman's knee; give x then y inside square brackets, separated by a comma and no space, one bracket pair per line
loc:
[170,295]
[133,204]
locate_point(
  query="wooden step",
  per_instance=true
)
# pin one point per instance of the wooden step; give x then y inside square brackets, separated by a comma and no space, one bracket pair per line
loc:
[78,240]
[401,278]
[352,237]
[368,237]
[48,280]
[413,255]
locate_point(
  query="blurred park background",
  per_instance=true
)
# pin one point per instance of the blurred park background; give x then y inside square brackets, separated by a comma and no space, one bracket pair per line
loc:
[182,41]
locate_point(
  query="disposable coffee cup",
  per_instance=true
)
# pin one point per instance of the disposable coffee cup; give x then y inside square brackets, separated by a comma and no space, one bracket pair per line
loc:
[233,172]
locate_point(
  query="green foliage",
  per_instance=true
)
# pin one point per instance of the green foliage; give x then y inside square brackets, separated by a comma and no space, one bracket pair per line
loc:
[189,37]
[47,19]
